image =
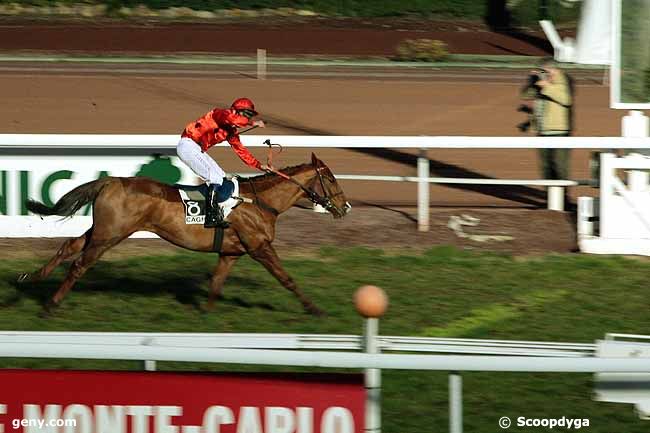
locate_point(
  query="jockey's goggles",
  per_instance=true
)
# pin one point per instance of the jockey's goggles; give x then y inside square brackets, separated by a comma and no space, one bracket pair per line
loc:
[247,113]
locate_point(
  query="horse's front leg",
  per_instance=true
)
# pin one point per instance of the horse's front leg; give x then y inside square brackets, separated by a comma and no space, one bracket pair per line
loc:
[221,271]
[267,256]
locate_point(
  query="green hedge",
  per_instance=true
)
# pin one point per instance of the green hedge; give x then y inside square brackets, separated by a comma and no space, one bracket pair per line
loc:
[523,12]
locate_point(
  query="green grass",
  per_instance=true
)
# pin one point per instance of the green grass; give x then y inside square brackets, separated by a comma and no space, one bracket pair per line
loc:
[635,52]
[443,292]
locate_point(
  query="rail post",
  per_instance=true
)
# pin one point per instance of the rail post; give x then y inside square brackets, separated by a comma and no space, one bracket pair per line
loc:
[372,378]
[455,403]
[555,196]
[261,64]
[423,191]
[149,364]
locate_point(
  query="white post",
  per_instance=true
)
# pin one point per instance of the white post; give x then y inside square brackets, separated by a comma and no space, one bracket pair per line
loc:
[556,198]
[149,365]
[637,180]
[607,174]
[423,191]
[372,379]
[636,124]
[585,216]
[455,403]
[261,64]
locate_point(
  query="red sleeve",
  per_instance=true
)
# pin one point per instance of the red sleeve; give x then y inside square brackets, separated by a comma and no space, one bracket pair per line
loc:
[243,153]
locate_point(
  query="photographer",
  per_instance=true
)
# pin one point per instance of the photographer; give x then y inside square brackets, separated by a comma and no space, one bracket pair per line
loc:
[551,114]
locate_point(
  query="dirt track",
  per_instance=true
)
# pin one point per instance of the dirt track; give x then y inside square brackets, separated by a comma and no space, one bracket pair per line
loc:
[39,100]
[352,37]
[302,231]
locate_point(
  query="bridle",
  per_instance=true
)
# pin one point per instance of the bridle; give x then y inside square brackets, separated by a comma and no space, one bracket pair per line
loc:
[324,200]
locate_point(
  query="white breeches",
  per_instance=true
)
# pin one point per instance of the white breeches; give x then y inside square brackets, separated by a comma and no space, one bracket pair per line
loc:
[201,163]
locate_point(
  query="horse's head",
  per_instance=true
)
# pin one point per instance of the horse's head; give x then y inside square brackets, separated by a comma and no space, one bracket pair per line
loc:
[331,196]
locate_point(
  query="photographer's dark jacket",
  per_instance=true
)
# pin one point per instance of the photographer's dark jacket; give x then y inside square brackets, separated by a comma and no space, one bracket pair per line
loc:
[552,109]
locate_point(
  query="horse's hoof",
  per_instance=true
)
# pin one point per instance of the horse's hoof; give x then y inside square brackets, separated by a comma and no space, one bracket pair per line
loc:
[48,309]
[315,311]
[22,278]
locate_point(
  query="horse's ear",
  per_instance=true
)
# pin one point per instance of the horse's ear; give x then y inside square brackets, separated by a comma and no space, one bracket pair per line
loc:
[314,160]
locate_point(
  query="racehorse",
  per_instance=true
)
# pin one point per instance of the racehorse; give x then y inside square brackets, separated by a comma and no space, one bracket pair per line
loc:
[122,206]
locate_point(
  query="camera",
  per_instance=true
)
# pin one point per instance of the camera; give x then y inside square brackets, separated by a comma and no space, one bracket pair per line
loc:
[524,126]
[533,78]
[523,108]
[530,86]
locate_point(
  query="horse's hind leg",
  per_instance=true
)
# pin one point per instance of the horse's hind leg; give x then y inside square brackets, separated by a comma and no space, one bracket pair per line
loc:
[219,277]
[267,256]
[67,250]
[92,252]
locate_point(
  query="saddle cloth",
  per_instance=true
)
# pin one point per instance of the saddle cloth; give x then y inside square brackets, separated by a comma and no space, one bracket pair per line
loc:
[194,201]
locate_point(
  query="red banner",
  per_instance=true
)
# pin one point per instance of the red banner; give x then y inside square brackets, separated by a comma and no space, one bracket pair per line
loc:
[160,402]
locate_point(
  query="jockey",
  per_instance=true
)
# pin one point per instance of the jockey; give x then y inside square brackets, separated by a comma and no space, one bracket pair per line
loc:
[215,127]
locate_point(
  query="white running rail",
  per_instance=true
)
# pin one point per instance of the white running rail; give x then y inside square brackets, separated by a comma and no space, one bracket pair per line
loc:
[302,342]
[84,144]
[333,351]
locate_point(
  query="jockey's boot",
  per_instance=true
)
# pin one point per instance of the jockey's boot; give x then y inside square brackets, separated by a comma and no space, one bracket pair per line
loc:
[214,213]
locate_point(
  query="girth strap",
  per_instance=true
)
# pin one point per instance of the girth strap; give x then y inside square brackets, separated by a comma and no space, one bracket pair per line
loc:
[218,239]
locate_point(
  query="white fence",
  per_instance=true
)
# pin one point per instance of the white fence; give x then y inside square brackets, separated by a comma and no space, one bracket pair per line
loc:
[82,144]
[333,351]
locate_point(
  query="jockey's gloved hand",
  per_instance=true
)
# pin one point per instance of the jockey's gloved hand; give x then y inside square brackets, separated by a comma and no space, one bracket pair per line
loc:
[267,167]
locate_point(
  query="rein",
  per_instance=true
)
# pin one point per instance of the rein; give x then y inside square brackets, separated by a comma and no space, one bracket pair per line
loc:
[312,195]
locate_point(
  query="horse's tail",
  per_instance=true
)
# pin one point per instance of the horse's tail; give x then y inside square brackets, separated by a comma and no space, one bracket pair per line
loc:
[74,200]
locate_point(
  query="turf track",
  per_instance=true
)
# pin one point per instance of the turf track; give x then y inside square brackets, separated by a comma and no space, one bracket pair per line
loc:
[443,292]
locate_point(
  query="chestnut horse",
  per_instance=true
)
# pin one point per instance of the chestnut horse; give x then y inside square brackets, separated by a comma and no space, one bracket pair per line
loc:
[122,206]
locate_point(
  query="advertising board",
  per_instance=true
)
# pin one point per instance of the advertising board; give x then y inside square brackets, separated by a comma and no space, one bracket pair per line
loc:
[48,178]
[161,402]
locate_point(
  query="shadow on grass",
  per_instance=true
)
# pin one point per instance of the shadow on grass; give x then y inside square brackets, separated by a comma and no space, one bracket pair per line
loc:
[190,288]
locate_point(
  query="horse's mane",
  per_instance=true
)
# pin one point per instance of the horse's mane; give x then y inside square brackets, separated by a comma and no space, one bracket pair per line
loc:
[267,180]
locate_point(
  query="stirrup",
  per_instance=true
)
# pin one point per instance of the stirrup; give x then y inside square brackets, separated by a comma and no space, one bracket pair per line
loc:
[214,216]
[220,220]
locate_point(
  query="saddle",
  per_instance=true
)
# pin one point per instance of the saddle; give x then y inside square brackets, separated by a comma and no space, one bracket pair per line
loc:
[200,192]
[194,199]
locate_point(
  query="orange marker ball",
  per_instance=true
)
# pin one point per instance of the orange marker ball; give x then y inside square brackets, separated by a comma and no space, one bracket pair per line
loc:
[370,301]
